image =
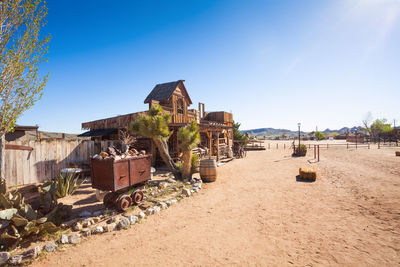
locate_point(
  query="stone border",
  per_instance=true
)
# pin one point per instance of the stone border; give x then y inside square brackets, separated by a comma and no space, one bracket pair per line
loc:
[113,223]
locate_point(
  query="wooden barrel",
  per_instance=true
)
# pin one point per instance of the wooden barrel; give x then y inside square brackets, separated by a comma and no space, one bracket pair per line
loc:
[208,170]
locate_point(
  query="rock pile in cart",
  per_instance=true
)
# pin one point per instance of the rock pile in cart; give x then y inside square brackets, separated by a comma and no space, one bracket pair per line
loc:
[119,153]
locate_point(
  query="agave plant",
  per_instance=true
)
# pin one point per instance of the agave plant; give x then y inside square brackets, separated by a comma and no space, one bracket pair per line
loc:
[67,185]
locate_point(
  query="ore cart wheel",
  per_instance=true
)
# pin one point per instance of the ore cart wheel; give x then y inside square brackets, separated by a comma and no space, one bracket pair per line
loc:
[137,197]
[124,203]
[110,199]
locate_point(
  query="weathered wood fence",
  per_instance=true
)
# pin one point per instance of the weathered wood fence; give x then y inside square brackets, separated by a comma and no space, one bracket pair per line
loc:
[47,158]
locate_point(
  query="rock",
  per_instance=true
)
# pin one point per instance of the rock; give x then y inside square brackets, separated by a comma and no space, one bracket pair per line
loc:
[156,209]
[192,181]
[197,185]
[98,230]
[192,191]
[4,223]
[173,201]
[86,223]
[32,253]
[64,239]
[97,156]
[111,220]
[70,223]
[50,246]
[171,180]
[149,211]
[85,214]
[186,192]
[4,256]
[142,152]
[168,202]
[95,220]
[162,185]
[196,189]
[163,205]
[133,219]
[15,260]
[77,227]
[74,239]
[103,154]
[109,227]
[86,232]
[124,223]
[141,215]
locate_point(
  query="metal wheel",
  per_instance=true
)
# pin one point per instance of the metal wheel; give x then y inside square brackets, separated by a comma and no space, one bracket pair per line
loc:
[124,203]
[137,197]
[110,199]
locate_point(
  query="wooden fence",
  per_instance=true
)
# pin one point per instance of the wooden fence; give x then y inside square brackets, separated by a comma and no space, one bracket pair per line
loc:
[47,158]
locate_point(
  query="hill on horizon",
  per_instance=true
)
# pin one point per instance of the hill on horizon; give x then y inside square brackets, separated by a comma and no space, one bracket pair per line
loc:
[272,132]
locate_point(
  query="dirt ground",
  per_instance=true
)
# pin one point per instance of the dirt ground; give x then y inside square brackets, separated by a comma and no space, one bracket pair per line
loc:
[258,213]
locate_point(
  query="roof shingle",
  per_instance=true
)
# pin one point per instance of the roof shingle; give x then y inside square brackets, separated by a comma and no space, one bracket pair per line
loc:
[162,91]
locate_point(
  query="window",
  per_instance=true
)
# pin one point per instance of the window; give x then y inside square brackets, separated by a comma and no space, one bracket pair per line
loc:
[180,106]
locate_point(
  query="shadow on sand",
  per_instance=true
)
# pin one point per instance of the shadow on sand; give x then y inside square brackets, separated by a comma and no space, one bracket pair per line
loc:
[301,180]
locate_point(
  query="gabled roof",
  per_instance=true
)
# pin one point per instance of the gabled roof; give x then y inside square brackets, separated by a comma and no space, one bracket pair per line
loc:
[163,91]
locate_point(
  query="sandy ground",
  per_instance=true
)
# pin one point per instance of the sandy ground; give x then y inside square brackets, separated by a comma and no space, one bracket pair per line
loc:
[258,213]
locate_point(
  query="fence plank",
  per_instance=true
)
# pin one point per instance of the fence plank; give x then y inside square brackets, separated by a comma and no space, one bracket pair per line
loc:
[46,159]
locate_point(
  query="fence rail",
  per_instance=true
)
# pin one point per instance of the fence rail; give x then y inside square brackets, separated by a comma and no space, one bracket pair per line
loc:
[47,158]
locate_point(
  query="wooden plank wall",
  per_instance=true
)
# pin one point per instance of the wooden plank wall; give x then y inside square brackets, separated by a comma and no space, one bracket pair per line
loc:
[47,158]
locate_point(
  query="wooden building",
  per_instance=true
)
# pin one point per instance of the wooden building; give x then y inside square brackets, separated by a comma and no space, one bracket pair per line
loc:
[22,133]
[216,128]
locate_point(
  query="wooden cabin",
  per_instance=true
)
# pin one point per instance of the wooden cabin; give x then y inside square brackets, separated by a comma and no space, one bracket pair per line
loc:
[216,128]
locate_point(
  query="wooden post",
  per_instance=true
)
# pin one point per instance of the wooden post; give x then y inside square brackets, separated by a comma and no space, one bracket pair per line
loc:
[347,145]
[276,145]
[327,146]
[315,152]
[217,146]
[209,135]
[368,145]
[269,147]
[318,153]
[379,144]
[284,146]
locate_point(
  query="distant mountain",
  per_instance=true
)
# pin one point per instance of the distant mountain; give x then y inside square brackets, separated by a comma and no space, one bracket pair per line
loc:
[272,132]
[343,130]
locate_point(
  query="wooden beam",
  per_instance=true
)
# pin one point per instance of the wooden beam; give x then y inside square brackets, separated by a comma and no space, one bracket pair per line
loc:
[19,147]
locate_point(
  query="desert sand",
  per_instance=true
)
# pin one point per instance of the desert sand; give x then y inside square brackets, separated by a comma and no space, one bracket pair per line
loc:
[258,213]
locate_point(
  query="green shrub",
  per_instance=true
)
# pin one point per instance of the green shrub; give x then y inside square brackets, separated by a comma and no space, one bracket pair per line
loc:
[301,150]
[67,185]
[195,163]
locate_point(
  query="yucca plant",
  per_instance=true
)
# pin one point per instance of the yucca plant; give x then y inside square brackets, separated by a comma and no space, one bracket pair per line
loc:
[67,185]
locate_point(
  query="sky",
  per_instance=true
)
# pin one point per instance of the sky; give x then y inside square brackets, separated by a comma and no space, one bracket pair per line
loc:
[272,63]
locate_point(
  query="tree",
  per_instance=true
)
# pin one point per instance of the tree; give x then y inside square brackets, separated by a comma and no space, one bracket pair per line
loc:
[237,135]
[188,137]
[155,126]
[319,136]
[22,50]
[380,127]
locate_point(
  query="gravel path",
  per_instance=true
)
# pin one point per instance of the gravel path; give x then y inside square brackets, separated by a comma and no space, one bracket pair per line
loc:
[257,213]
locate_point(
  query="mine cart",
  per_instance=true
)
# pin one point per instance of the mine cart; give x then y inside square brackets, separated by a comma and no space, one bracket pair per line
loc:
[124,178]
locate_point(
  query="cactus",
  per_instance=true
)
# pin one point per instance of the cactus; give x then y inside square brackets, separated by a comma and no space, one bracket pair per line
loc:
[23,220]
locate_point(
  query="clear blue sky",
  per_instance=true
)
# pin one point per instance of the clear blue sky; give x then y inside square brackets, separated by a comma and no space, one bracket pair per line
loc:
[272,63]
